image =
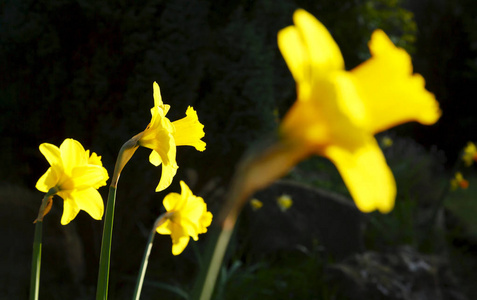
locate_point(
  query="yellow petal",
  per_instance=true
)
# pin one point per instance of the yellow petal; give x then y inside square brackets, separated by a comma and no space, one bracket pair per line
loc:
[48,180]
[168,173]
[51,153]
[88,175]
[366,174]
[179,245]
[164,228]
[391,94]
[72,154]
[90,201]
[294,52]
[70,209]
[172,201]
[155,158]
[157,94]
[189,131]
[324,53]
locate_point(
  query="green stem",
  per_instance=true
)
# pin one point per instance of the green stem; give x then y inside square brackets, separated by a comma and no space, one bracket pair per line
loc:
[37,242]
[104,261]
[36,262]
[145,258]
[125,154]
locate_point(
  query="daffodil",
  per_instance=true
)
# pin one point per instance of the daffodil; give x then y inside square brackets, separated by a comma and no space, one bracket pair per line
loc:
[284,202]
[337,112]
[163,136]
[75,176]
[459,181]
[256,204]
[186,217]
[470,154]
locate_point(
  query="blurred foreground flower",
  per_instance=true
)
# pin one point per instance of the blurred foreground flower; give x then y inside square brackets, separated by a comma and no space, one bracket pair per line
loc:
[162,136]
[186,217]
[470,154]
[338,112]
[459,181]
[75,175]
[284,202]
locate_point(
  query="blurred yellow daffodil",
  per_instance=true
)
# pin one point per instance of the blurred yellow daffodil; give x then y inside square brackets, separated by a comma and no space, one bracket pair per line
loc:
[186,217]
[75,176]
[284,202]
[386,142]
[337,112]
[459,181]
[470,154]
[162,136]
[256,204]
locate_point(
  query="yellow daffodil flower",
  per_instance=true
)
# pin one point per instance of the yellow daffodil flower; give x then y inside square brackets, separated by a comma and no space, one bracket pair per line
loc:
[186,217]
[459,181]
[162,136]
[75,175]
[284,202]
[338,112]
[386,142]
[256,204]
[470,154]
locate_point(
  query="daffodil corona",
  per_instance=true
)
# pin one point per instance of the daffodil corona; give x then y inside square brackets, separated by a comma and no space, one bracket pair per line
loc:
[163,136]
[75,176]
[186,217]
[337,112]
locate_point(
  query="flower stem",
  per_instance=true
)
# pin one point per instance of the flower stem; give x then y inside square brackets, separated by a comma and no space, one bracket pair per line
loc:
[145,258]
[104,261]
[36,262]
[37,242]
[125,154]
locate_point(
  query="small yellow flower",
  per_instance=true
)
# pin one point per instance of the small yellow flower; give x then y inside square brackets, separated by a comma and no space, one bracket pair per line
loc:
[459,181]
[470,154]
[256,204]
[386,142]
[187,217]
[162,136]
[284,202]
[76,175]
[338,112]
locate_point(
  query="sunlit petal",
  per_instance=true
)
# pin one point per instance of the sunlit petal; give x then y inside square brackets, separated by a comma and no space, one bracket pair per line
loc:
[168,173]
[366,174]
[189,131]
[70,211]
[390,92]
[90,201]
[155,158]
[324,53]
[51,153]
[72,154]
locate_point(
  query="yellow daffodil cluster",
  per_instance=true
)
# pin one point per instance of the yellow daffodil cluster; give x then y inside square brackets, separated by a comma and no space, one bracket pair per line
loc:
[470,154]
[459,182]
[75,174]
[337,112]
[284,202]
[186,217]
[163,136]
[256,204]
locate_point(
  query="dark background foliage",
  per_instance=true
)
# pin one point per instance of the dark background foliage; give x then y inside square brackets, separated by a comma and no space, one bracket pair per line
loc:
[84,69]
